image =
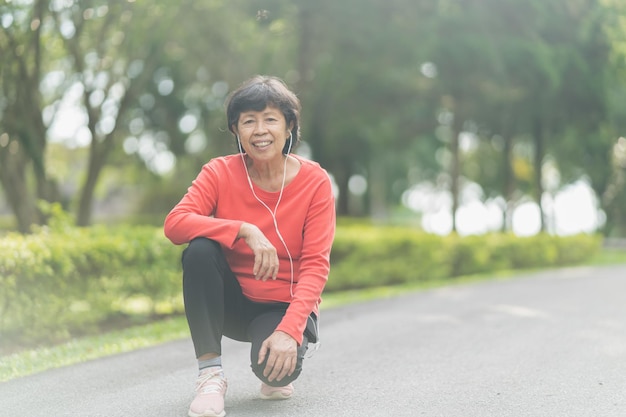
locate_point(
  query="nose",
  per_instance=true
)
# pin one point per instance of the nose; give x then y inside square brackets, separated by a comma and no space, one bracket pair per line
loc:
[260,127]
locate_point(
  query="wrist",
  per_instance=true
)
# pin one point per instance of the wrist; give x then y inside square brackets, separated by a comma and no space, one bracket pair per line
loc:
[244,230]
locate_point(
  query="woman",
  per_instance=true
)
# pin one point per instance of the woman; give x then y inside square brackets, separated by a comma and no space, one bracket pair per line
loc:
[260,226]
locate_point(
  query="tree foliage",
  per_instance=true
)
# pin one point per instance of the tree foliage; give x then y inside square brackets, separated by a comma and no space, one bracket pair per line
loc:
[390,91]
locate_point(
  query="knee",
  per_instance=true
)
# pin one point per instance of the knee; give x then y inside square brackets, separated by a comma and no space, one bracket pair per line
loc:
[259,368]
[258,371]
[201,250]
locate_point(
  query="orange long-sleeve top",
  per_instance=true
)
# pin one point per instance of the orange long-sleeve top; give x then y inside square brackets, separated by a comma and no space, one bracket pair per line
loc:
[219,200]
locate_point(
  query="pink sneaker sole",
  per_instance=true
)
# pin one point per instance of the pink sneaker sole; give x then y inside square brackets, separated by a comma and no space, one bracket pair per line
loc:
[192,414]
[276,393]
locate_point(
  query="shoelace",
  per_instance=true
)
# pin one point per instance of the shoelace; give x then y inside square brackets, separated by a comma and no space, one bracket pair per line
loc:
[210,382]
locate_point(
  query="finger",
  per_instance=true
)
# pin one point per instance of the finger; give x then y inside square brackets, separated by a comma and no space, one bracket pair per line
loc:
[270,367]
[276,371]
[282,366]
[269,264]
[258,259]
[292,368]
[263,353]
[264,269]
[276,267]
[272,266]
[286,366]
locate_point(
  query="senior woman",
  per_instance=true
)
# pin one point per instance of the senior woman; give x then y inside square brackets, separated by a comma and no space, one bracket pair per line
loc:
[259,225]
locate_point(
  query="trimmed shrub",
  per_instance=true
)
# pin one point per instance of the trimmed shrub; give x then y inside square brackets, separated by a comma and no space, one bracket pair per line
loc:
[64,281]
[365,256]
[54,284]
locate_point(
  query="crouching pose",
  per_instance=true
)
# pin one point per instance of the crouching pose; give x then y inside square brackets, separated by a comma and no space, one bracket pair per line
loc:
[259,225]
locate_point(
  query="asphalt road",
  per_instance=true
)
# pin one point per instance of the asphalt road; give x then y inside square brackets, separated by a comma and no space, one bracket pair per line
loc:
[545,344]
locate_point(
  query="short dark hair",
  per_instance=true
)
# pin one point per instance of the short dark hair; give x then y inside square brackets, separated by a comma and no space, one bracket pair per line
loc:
[259,92]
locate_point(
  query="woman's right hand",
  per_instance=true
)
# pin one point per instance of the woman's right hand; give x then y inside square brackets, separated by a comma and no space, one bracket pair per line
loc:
[265,256]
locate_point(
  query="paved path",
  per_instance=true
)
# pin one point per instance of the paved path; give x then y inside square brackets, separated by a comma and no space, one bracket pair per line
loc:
[546,344]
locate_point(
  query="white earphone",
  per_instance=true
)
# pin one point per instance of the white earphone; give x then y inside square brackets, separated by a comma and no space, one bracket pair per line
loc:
[273,214]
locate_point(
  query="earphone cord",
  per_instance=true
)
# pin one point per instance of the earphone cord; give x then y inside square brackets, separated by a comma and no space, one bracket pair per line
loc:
[273,213]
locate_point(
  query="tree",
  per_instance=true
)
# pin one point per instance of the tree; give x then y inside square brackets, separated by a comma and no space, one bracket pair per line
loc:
[563,80]
[22,128]
[364,94]
[467,62]
[112,67]
[523,69]
[384,104]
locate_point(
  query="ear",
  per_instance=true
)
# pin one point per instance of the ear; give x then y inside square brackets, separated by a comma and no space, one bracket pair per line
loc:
[290,127]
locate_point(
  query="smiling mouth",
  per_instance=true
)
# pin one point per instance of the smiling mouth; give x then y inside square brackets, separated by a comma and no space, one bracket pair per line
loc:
[262,144]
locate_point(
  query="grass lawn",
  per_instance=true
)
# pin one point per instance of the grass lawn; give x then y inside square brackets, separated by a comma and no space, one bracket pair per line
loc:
[80,350]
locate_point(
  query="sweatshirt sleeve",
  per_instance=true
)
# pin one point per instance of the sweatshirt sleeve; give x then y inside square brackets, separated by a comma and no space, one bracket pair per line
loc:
[318,235]
[193,217]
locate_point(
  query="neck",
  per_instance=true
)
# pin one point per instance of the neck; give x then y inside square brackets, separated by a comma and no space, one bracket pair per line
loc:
[266,171]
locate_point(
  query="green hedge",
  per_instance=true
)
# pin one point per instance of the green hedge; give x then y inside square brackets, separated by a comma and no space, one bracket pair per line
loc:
[56,284]
[370,256]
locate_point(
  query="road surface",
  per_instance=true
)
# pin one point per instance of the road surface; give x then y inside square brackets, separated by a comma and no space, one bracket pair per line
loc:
[544,344]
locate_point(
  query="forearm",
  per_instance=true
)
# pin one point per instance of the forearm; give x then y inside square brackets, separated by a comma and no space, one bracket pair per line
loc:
[306,298]
[182,227]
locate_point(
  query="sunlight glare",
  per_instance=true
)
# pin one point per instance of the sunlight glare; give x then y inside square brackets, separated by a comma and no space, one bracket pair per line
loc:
[526,219]
[574,210]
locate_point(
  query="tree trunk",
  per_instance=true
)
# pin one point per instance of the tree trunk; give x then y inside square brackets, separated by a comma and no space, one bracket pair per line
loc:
[342,176]
[83,217]
[455,168]
[538,137]
[98,154]
[13,179]
[46,188]
[377,186]
[305,45]
[508,186]
[22,117]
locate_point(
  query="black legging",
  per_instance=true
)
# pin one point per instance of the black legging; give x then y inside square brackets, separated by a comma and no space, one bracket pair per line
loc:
[215,306]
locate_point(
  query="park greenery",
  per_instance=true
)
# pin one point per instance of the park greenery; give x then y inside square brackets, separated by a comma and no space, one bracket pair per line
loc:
[111,107]
[62,281]
[108,109]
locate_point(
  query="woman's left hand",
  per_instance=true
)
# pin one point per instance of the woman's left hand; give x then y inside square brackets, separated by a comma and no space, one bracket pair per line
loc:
[281,351]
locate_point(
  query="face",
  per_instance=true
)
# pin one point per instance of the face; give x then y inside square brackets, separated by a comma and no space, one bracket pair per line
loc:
[263,134]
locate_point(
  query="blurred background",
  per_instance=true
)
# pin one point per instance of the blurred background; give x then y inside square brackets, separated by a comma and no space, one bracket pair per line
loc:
[467,116]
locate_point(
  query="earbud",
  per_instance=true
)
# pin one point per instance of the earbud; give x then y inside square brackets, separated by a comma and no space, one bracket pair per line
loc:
[290,144]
